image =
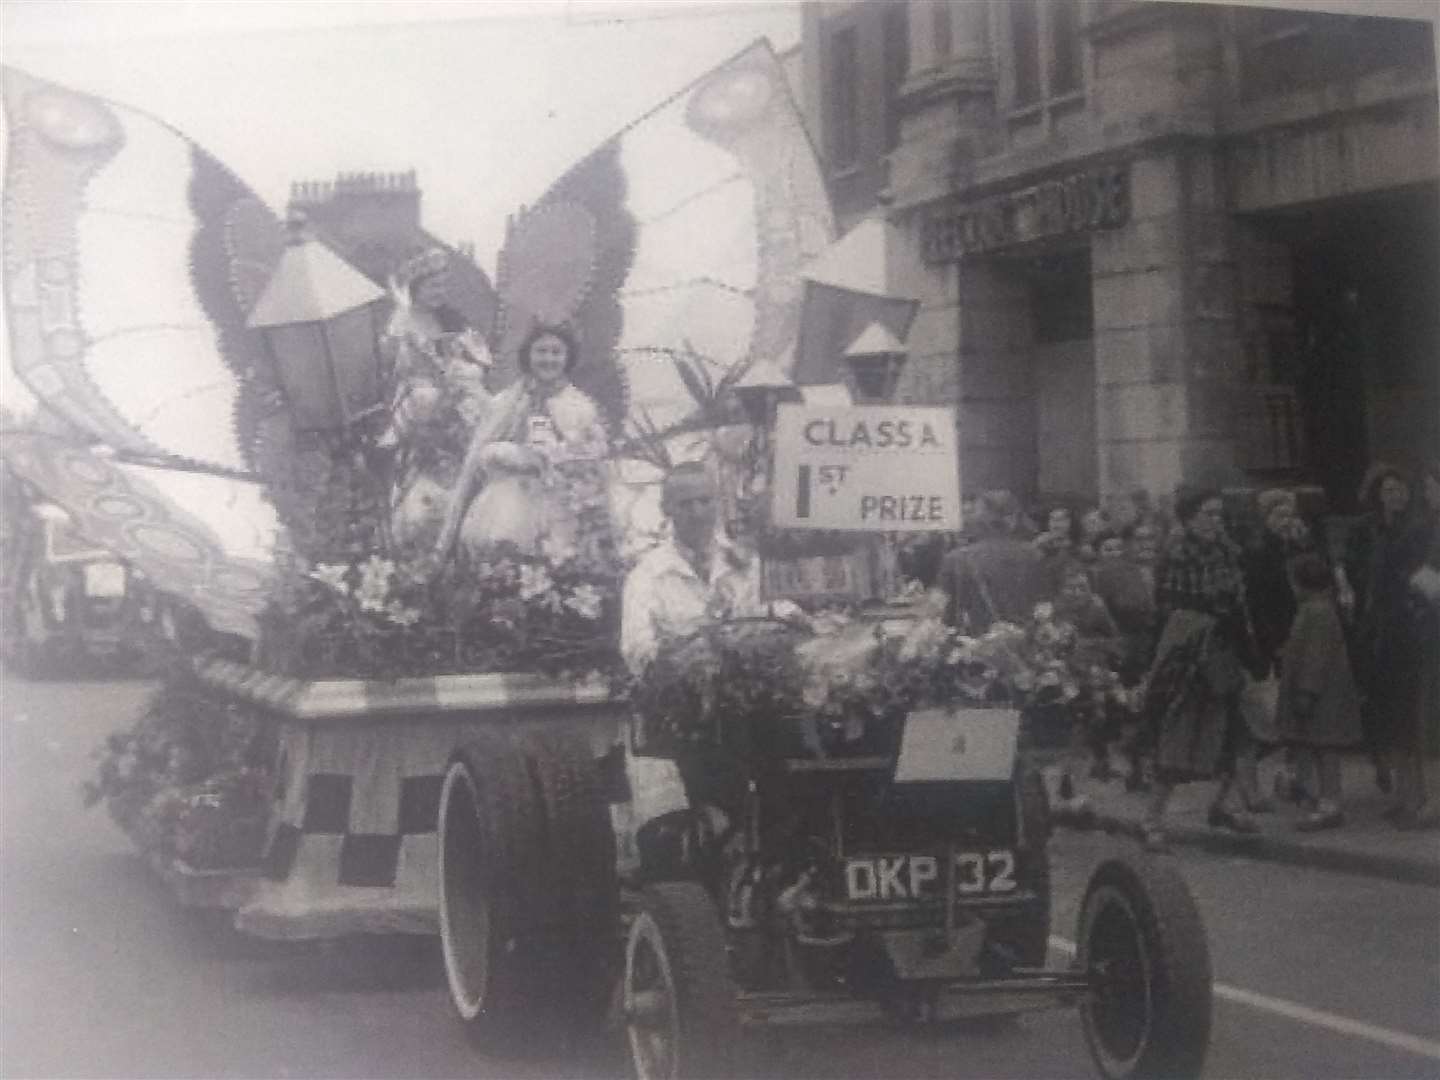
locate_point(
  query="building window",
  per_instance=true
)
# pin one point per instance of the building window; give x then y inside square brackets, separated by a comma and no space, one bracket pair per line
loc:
[897,65]
[1048,54]
[1285,51]
[1065,56]
[1025,41]
[940,33]
[844,96]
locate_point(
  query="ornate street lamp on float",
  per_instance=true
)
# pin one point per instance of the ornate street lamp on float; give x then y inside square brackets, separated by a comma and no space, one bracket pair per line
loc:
[875,359]
[319,318]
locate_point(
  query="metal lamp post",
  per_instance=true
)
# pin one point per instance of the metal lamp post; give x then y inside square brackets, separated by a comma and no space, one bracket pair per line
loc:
[319,319]
[764,386]
[875,359]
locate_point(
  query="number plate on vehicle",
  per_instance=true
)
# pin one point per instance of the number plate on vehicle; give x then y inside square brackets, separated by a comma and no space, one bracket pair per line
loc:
[922,877]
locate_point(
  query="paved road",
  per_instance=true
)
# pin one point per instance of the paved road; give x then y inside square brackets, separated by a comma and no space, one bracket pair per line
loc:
[1319,975]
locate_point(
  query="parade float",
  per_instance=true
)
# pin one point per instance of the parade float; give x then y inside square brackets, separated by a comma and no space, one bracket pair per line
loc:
[399,726]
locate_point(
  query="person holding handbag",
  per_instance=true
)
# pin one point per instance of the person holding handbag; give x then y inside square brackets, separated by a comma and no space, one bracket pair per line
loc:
[1283,536]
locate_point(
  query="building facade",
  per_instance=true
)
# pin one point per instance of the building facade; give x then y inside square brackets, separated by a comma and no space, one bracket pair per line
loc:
[1154,242]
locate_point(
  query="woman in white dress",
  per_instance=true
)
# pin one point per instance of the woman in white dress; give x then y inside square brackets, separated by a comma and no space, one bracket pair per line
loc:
[536,459]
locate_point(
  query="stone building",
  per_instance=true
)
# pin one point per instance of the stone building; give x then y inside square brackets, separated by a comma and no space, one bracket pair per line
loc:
[373,221]
[1154,241]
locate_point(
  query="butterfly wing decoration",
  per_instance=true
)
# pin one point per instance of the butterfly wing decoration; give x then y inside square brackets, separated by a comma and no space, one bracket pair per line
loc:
[131,258]
[205,538]
[675,251]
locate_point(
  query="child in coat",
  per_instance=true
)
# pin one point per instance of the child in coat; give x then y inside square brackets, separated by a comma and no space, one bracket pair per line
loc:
[1318,709]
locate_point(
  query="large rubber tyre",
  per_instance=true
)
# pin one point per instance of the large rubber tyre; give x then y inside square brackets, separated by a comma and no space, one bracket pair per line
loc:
[492,893]
[682,1020]
[582,940]
[1142,941]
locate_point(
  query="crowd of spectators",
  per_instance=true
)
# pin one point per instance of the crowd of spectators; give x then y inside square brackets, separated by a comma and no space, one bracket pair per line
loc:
[1243,628]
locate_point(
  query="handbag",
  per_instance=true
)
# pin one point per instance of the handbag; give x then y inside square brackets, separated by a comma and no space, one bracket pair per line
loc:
[1259,699]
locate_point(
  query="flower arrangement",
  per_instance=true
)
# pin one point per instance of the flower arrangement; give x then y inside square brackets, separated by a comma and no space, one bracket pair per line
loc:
[555,612]
[191,778]
[842,686]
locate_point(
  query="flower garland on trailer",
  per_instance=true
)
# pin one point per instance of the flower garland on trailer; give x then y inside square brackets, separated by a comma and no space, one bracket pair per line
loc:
[842,685]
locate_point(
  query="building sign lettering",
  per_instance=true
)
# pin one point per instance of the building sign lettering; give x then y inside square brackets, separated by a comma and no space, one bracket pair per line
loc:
[1081,202]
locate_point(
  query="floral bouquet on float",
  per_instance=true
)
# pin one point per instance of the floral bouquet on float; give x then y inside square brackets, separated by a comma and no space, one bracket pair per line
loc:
[191,778]
[554,612]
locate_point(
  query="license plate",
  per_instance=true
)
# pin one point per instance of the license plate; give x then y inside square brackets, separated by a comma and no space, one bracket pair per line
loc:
[891,878]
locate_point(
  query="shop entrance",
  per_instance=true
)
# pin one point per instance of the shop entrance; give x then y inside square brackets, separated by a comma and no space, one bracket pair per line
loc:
[1063,361]
[1365,361]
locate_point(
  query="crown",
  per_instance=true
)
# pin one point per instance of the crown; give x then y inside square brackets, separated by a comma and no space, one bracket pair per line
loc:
[430,261]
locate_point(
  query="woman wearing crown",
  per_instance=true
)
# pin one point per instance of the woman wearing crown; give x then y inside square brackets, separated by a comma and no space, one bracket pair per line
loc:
[438,367]
[534,473]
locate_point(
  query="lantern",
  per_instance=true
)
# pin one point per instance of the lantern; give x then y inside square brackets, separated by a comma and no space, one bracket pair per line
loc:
[319,318]
[763,387]
[875,359]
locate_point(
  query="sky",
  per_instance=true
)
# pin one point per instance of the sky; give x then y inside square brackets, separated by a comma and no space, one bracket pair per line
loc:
[488,102]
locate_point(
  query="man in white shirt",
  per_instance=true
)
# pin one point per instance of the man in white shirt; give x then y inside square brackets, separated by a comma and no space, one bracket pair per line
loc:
[691,578]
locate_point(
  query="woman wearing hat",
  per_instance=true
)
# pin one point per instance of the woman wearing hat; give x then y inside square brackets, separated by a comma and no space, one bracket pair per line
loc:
[533,475]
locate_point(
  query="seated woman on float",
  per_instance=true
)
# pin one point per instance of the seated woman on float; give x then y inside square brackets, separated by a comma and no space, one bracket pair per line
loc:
[535,463]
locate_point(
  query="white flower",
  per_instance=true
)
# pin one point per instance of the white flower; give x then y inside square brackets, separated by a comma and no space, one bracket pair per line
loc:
[401,615]
[556,551]
[1044,612]
[332,574]
[534,581]
[585,601]
[375,575]
[924,638]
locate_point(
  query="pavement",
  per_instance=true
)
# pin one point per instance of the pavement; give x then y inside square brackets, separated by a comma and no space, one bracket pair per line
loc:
[1365,844]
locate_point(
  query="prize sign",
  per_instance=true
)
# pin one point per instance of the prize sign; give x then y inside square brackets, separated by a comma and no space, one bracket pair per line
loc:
[871,468]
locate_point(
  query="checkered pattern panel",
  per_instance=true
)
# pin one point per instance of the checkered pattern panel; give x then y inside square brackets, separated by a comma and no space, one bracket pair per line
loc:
[369,860]
[366,858]
[419,804]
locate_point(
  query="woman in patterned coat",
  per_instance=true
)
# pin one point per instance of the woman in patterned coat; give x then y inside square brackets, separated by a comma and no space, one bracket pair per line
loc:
[1205,650]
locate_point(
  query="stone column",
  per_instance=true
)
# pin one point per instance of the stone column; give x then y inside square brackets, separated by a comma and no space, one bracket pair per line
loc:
[1169,364]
